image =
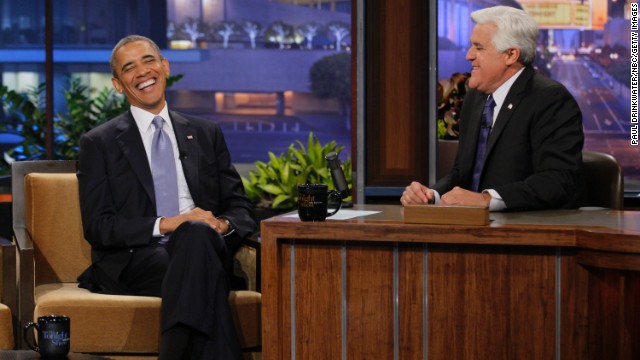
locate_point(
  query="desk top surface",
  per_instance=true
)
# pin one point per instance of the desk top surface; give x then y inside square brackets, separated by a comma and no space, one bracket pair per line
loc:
[588,217]
[599,229]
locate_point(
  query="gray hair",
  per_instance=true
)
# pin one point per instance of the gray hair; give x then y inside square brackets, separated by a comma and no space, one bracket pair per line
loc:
[515,29]
[126,40]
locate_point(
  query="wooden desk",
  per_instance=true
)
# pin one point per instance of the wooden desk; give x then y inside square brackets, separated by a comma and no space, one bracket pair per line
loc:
[534,285]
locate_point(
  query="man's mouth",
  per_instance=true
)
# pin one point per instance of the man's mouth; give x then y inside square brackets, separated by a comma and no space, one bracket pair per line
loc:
[146,84]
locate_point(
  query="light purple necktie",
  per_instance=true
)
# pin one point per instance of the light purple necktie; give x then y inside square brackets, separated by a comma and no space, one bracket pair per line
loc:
[483,137]
[163,168]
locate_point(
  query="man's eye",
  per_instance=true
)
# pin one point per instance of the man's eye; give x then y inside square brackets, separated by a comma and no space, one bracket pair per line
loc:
[126,70]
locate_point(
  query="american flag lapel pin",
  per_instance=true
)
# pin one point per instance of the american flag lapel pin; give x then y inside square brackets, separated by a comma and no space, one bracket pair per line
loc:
[510,106]
[189,137]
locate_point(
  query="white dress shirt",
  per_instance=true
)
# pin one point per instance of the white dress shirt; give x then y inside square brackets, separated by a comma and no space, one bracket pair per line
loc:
[144,120]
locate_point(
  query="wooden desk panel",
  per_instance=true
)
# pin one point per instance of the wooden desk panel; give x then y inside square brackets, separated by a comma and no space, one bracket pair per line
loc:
[494,302]
[369,301]
[375,288]
[318,317]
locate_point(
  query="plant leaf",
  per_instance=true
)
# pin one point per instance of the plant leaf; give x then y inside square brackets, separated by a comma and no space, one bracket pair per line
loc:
[271,189]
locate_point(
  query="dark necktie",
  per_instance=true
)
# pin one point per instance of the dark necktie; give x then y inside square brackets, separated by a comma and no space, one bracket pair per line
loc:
[483,137]
[163,168]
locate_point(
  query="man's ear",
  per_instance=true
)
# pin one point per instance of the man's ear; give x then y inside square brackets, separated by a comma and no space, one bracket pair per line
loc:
[511,56]
[165,65]
[116,84]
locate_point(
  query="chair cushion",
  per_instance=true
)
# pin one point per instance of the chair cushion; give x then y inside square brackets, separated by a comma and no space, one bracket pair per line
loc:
[117,323]
[102,323]
[6,330]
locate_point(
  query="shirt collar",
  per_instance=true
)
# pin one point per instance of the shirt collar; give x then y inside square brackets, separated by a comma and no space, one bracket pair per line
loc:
[501,92]
[143,118]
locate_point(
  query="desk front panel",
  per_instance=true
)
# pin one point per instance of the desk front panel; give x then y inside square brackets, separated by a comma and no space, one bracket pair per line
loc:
[395,294]
[367,300]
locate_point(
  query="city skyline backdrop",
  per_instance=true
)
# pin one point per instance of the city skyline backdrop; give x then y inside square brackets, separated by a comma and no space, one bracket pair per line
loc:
[260,94]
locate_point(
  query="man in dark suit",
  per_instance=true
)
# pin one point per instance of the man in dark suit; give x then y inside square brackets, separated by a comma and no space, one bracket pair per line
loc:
[521,133]
[184,255]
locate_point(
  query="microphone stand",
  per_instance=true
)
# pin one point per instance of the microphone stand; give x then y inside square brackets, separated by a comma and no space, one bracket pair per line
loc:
[337,175]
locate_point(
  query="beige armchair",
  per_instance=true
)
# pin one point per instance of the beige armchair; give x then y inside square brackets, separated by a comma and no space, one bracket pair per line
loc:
[8,297]
[52,253]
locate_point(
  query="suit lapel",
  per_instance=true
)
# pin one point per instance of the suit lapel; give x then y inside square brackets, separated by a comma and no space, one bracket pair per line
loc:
[130,142]
[509,107]
[186,137]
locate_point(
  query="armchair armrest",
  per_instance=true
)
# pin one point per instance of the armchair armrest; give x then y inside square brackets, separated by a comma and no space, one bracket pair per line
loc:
[26,275]
[254,241]
[247,263]
[9,295]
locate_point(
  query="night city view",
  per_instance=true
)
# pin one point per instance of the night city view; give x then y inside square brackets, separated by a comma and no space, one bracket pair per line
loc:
[246,63]
[259,88]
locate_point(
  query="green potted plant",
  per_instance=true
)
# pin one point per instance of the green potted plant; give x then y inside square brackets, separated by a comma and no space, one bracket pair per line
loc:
[274,185]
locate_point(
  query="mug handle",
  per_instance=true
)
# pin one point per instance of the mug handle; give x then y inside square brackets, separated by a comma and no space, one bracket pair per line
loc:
[337,195]
[30,339]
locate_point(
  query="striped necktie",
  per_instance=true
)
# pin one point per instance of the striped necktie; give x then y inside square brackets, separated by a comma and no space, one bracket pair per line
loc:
[483,137]
[163,168]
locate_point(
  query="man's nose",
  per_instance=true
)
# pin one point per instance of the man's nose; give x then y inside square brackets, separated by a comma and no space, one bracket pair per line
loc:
[470,54]
[142,70]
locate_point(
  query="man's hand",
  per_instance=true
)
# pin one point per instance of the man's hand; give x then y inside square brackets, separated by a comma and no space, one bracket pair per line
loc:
[460,196]
[417,193]
[168,225]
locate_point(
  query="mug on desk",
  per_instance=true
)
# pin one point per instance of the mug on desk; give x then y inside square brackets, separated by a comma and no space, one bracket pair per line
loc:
[54,334]
[313,201]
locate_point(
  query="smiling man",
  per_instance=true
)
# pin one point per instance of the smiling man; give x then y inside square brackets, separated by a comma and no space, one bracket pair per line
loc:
[163,209]
[521,133]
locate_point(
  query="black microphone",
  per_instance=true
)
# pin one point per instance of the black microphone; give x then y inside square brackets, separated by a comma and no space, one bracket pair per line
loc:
[183,155]
[337,174]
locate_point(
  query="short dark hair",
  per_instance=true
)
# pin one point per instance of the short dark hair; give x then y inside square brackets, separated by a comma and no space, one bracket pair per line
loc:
[126,40]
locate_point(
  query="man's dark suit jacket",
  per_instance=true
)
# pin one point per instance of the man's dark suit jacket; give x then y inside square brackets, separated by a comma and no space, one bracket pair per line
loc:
[116,186]
[534,153]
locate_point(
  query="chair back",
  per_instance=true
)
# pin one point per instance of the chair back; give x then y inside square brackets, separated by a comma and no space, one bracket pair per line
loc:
[46,205]
[53,220]
[604,179]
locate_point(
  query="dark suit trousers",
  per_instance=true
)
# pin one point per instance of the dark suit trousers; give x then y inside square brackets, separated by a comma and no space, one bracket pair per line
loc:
[191,274]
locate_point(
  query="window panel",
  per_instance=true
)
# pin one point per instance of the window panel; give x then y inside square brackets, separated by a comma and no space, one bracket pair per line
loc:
[257,88]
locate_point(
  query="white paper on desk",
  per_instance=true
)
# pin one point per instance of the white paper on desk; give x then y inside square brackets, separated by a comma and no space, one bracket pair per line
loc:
[344,214]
